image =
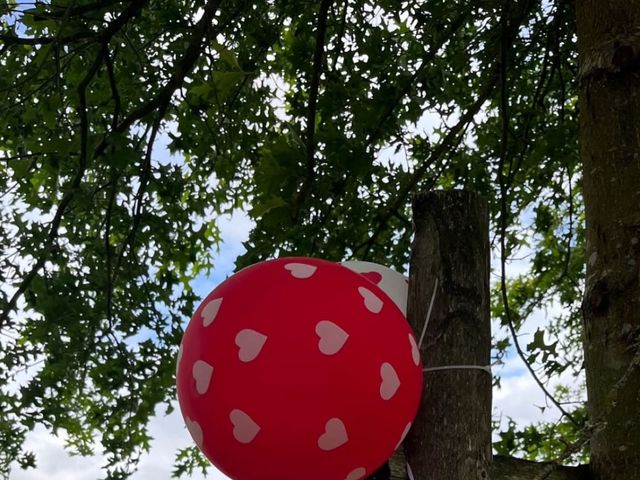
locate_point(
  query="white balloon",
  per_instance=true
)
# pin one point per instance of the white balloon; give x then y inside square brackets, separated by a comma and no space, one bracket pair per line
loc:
[394,284]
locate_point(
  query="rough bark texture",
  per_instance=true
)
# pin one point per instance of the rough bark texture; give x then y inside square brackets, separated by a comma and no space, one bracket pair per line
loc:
[508,468]
[451,437]
[609,52]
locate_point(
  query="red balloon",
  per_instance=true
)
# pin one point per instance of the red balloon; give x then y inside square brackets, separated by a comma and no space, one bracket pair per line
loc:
[298,368]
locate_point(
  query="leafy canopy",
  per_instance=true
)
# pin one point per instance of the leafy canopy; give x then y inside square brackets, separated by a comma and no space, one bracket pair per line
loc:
[319,118]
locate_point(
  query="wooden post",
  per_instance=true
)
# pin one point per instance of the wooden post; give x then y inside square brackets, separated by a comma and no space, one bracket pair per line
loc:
[451,437]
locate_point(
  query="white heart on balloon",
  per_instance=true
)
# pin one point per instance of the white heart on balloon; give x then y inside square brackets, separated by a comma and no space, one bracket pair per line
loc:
[244,428]
[301,270]
[202,372]
[391,282]
[390,381]
[249,344]
[195,430]
[356,474]
[334,436]
[332,337]
[210,311]
[371,301]
[415,351]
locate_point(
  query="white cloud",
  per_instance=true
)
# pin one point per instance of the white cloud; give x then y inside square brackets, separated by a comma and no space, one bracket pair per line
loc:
[521,399]
[54,463]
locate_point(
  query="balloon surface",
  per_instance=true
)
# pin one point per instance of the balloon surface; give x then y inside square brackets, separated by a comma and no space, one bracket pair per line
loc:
[393,283]
[298,368]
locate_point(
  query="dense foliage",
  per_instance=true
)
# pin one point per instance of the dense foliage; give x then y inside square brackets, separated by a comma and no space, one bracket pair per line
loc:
[319,118]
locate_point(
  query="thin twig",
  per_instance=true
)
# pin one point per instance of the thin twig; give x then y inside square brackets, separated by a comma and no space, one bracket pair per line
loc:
[314,87]
[447,146]
[36,41]
[114,88]
[107,248]
[340,37]
[201,31]
[455,25]
[66,200]
[138,209]
[504,115]
[74,11]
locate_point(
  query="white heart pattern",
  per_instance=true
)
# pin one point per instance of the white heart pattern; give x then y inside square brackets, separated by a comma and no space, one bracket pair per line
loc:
[357,474]
[202,372]
[195,431]
[244,428]
[415,351]
[332,337]
[334,436]
[250,344]
[390,381]
[371,301]
[301,270]
[391,282]
[210,311]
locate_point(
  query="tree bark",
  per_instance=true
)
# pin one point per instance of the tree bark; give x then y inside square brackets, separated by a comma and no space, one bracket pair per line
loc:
[451,437]
[609,54]
[509,468]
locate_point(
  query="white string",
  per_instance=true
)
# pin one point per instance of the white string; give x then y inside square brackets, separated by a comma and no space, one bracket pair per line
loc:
[426,322]
[409,472]
[486,368]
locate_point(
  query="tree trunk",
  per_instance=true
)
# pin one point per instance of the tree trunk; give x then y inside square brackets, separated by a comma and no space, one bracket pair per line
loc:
[609,52]
[451,437]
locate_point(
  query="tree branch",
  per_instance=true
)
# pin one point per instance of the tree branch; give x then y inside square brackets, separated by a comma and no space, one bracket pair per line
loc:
[509,468]
[161,103]
[66,199]
[314,88]
[315,83]
[454,26]
[107,248]
[132,10]
[114,88]
[145,174]
[184,67]
[340,37]
[75,11]
[15,40]
[129,12]
[448,144]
